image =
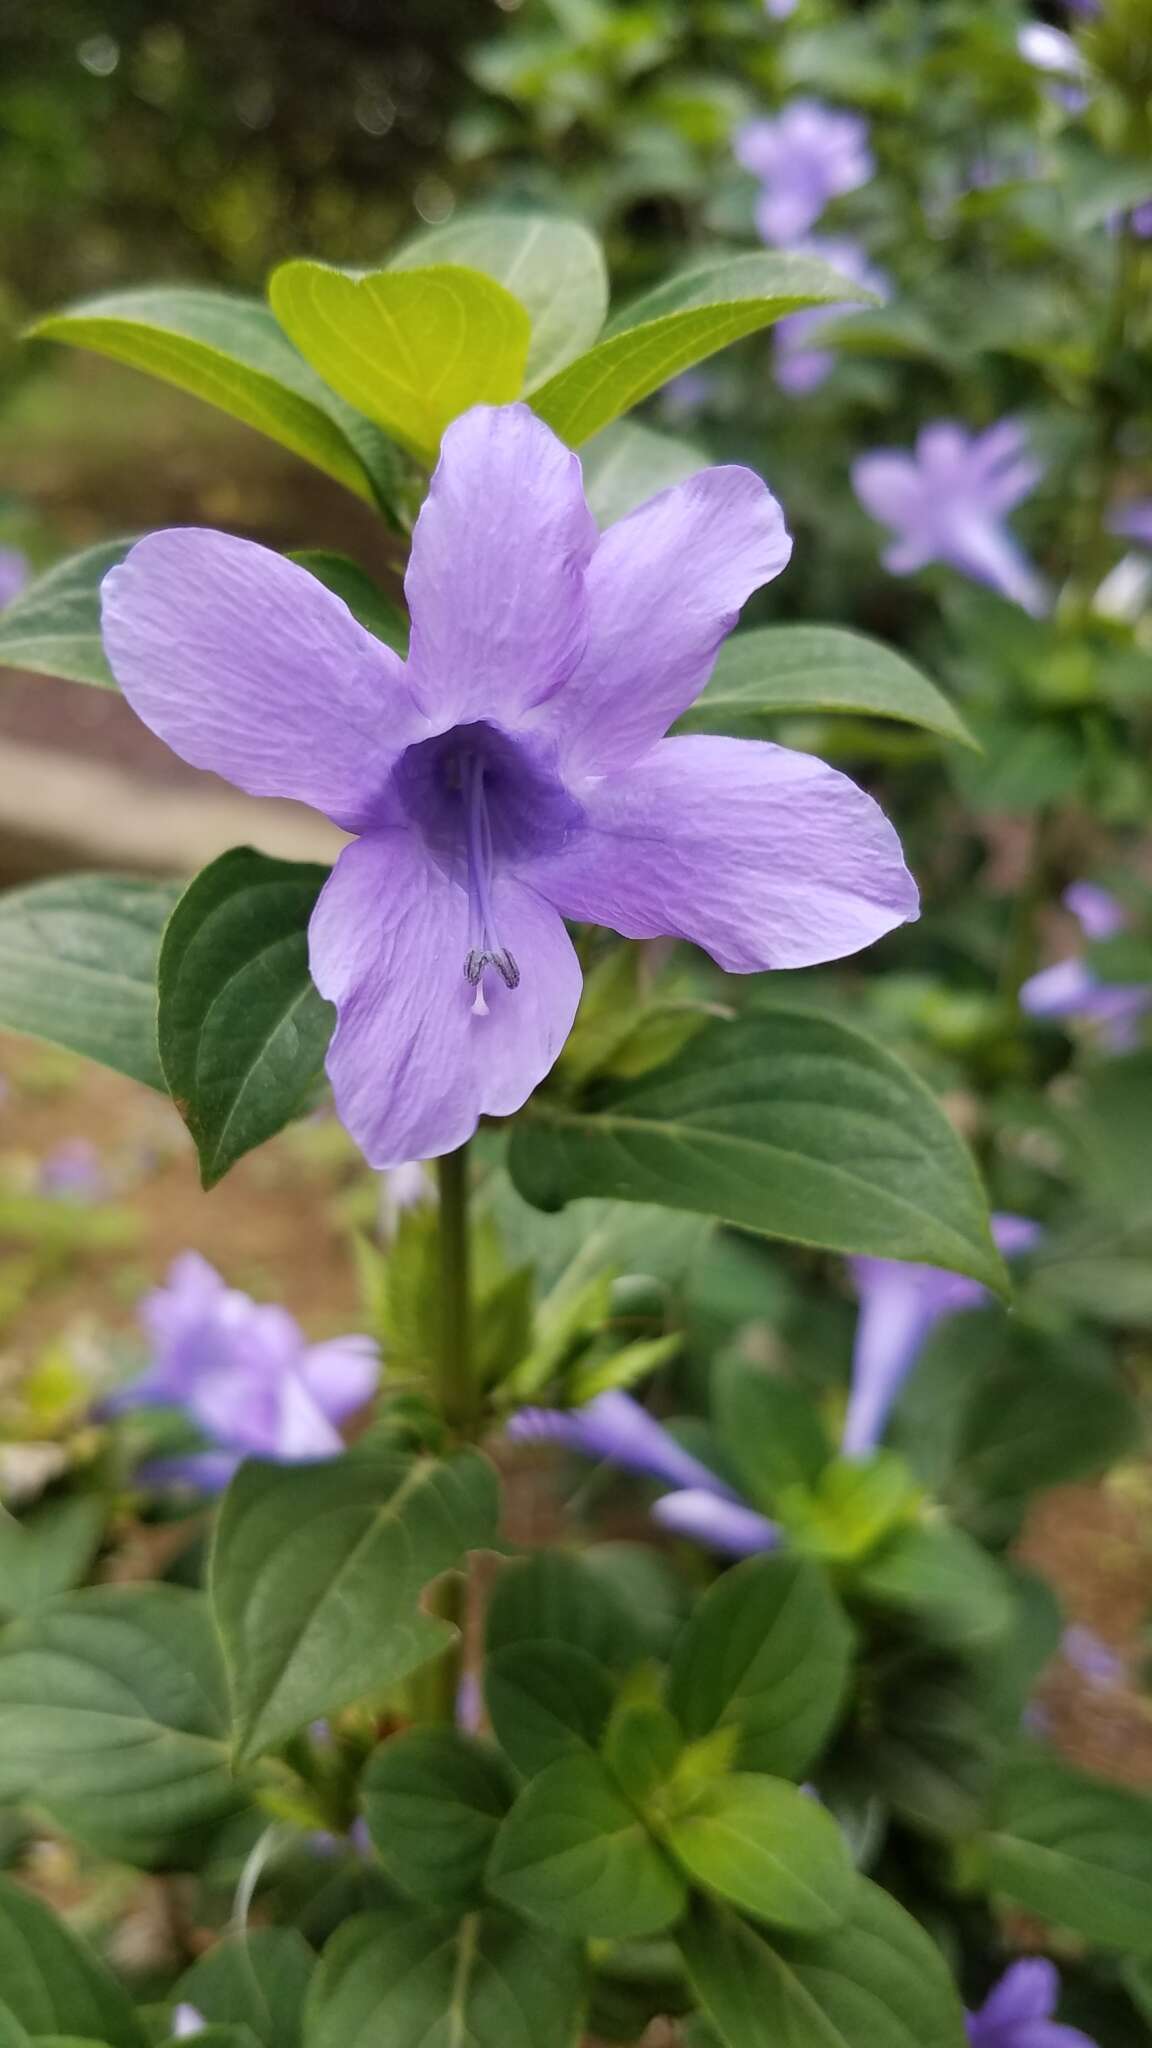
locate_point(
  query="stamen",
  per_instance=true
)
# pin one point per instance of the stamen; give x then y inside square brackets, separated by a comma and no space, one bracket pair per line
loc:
[486,950]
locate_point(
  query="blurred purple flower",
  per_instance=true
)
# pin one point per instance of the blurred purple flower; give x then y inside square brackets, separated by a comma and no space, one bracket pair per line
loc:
[187,2021]
[513,772]
[802,158]
[244,1374]
[779,10]
[616,1427]
[1017,2012]
[948,502]
[900,1304]
[1092,1658]
[801,365]
[1133,521]
[1071,988]
[1051,51]
[1141,219]
[72,1171]
[13,574]
[684,397]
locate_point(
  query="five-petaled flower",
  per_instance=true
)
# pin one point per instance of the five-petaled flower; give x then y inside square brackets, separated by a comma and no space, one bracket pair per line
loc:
[513,772]
[802,158]
[1017,2012]
[243,1372]
[948,502]
[1072,987]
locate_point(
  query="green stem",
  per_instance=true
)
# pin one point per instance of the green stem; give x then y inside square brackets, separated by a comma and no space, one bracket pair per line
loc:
[455,1388]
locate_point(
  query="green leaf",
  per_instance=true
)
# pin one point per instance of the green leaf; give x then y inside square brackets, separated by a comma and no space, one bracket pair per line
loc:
[934,1574]
[769,1429]
[1038,1417]
[787,1122]
[47,1551]
[1074,1850]
[317,1574]
[230,352]
[411,349]
[680,323]
[555,1597]
[574,1855]
[242,1028]
[53,1984]
[368,604]
[555,267]
[78,967]
[628,464]
[257,1980]
[113,1719]
[931,1747]
[768,1652]
[410,1979]
[53,627]
[546,1700]
[773,670]
[12,2034]
[768,1849]
[433,1799]
[878,1982]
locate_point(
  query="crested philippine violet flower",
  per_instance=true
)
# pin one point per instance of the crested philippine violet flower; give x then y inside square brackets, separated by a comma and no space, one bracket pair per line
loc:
[1017,2012]
[513,772]
[802,158]
[801,362]
[244,1374]
[948,503]
[1071,988]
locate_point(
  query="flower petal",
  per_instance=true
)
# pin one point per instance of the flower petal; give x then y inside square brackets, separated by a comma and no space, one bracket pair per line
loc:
[664,587]
[412,1066]
[341,1375]
[495,584]
[765,857]
[243,663]
[1028,1990]
[615,1426]
[722,1524]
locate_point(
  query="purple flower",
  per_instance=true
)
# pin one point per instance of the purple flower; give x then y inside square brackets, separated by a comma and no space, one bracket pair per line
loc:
[1134,520]
[800,366]
[243,1373]
[1141,220]
[1092,1658]
[512,773]
[948,501]
[1051,51]
[186,2020]
[900,1304]
[779,10]
[13,574]
[1017,2012]
[805,156]
[1071,988]
[72,1172]
[616,1427]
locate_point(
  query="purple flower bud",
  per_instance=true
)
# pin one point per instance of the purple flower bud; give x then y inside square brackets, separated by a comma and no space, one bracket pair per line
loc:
[721,1524]
[616,1427]
[802,158]
[948,503]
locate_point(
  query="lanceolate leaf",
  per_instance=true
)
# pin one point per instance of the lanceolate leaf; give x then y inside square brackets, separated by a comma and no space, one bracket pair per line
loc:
[53,1984]
[409,348]
[113,1718]
[78,963]
[231,352]
[680,323]
[877,1982]
[555,267]
[410,1979]
[761,675]
[317,1577]
[242,1029]
[53,627]
[1076,1851]
[787,1122]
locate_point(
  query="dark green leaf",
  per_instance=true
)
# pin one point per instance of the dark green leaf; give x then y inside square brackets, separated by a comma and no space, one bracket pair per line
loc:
[768,1849]
[787,1122]
[242,1028]
[936,1576]
[53,1984]
[769,1429]
[317,1575]
[761,675]
[574,1855]
[555,1597]
[1074,1850]
[364,598]
[53,627]
[546,1700]
[555,267]
[113,1719]
[433,1799]
[78,967]
[678,324]
[932,1747]
[878,1982]
[411,1979]
[767,1652]
[258,1980]
[48,1550]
